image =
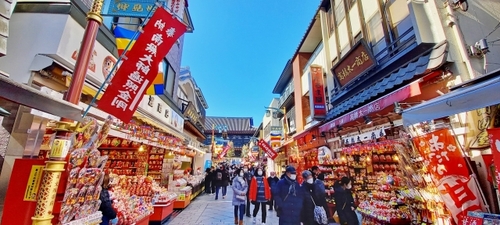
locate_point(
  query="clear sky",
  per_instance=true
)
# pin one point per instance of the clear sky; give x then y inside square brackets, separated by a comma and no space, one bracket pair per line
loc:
[239,48]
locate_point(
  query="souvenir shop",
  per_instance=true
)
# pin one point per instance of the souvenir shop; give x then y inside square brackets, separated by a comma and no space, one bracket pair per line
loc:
[418,172]
[150,174]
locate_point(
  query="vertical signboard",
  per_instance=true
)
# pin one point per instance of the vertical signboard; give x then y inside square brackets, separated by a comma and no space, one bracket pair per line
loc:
[317,92]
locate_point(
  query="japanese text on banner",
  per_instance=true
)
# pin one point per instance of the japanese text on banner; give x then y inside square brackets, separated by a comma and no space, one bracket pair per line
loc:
[449,171]
[267,149]
[123,95]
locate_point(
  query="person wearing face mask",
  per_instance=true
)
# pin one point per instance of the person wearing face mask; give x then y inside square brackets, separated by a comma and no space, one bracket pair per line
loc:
[289,198]
[272,180]
[314,195]
[248,178]
[240,190]
[344,202]
[259,194]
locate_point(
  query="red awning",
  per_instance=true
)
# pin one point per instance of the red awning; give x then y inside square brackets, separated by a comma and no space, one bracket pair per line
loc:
[408,91]
[305,132]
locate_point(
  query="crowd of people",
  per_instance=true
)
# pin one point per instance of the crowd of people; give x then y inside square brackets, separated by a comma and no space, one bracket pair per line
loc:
[294,203]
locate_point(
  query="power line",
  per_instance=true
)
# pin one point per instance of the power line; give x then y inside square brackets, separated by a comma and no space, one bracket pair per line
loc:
[494,29]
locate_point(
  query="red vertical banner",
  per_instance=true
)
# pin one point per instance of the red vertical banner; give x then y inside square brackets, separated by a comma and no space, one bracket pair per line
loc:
[140,67]
[317,92]
[449,171]
[494,137]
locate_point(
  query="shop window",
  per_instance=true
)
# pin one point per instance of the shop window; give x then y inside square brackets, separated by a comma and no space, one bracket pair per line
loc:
[339,11]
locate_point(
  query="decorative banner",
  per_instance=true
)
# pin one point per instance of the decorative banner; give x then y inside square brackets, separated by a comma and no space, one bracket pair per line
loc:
[224,151]
[450,173]
[470,220]
[139,69]
[317,95]
[267,149]
[494,136]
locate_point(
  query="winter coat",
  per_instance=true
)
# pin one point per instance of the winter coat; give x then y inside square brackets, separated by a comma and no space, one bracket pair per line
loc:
[253,190]
[272,181]
[344,202]
[225,178]
[240,186]
[316,190]
[289,203]
[108,213]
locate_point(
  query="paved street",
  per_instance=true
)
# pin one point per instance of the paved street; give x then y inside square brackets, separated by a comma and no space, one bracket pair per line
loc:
[204,210]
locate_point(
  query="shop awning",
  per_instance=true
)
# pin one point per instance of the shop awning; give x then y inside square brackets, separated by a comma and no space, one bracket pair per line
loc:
[306,131]
[408,91]
[475,94]
[419,66]
[158,125]
[33,98]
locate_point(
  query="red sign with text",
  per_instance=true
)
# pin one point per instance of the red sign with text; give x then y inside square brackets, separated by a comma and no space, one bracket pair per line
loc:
[140,67]
[267,149]
[494,136]
[449,171]
[318,92]
[224,151]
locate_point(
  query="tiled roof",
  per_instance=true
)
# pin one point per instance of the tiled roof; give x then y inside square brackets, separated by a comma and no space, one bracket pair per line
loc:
[419,66]
[234,124]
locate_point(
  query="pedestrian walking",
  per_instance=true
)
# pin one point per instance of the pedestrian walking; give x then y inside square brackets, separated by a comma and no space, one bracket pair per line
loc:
[272,180]
[344,202]
[259,194]
[208,180]
[240,189]
[314,195]
[289,197]
[248,178]
[221,181]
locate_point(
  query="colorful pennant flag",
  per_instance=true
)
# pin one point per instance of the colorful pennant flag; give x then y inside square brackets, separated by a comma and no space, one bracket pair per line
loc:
[157,87]
[123,37]
[140,68]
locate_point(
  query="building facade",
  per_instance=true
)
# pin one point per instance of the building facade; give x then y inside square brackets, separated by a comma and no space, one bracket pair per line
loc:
[43,56]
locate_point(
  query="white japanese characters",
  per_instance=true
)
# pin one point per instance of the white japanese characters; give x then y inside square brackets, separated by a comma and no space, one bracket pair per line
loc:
[137,81]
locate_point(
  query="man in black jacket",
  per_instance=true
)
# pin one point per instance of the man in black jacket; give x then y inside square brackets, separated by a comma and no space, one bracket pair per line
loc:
[272,180]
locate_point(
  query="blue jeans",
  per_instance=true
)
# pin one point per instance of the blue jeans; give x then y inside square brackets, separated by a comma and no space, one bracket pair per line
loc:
[241,209]
[224,191]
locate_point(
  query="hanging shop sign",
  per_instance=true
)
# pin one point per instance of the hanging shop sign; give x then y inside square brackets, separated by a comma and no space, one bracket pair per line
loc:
[356,62]
[317,94]
[141,8]
[375,106]
[449,171]
[267,149]
[224,151]
[192,113]
[367,136]
[128,86]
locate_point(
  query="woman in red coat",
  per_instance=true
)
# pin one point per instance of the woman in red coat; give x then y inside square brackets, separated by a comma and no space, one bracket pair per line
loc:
[259,194]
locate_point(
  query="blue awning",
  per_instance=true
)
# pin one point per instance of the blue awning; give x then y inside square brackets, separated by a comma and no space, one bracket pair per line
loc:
[422,65]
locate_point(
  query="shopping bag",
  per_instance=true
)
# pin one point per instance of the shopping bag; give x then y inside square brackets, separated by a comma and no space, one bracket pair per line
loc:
[360,217]
[336,217]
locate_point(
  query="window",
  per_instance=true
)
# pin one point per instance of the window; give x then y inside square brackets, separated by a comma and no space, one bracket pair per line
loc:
[169,78]
[399,16]
[350,3]
[331,21]
[339,11]
[376,31]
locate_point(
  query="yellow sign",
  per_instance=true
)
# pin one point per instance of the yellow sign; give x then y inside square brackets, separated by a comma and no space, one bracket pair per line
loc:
[60,148]
[181,197]
[33,183]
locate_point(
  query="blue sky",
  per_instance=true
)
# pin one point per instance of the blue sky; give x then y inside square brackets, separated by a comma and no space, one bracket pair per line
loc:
[239,49]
